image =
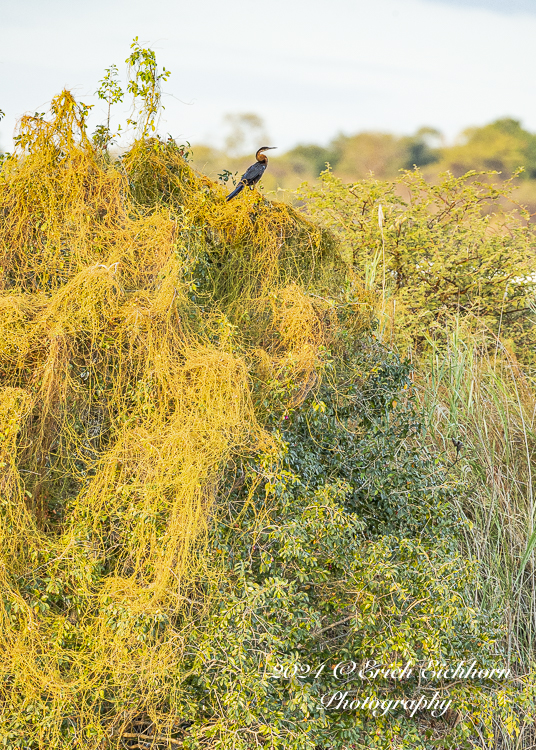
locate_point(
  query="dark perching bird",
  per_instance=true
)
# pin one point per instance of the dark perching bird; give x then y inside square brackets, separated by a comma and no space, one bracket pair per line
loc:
[254,173]
[459,447]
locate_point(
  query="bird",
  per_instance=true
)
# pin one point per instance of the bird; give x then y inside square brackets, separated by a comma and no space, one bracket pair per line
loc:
[254,173]
[459,447]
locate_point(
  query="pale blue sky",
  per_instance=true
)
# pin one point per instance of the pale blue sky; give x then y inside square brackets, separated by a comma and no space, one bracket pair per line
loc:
[310,68]
[509,7]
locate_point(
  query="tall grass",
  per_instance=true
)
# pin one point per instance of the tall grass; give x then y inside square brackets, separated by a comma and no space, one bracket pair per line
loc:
[473,390]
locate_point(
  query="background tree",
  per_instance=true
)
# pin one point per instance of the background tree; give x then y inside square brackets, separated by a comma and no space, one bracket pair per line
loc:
[246,134]
[502,145]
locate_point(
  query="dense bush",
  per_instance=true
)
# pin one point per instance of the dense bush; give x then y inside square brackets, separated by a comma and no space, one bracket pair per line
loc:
[437,251]
[344,548]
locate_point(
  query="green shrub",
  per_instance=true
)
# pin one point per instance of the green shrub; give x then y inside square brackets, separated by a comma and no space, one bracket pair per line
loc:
[344,548]
[436,251]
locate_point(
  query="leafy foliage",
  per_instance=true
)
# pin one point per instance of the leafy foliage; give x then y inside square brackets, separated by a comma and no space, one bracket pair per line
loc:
[144,84]
[313,577]
[444,249]
[111,92]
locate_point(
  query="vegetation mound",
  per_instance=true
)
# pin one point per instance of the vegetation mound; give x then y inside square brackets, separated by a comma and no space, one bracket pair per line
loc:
[216,483]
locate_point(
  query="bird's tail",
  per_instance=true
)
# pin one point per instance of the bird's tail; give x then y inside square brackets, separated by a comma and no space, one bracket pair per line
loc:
[237,190]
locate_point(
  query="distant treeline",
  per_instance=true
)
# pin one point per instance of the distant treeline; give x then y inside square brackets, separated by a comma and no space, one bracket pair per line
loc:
[502,146]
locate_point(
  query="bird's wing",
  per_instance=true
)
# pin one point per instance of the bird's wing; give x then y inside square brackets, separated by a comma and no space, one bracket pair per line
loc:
[254,172]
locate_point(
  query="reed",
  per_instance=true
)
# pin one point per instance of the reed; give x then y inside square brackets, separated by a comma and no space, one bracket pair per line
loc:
[473,389]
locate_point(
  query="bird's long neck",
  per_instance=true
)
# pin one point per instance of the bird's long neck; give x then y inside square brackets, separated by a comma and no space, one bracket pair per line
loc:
[261,157]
